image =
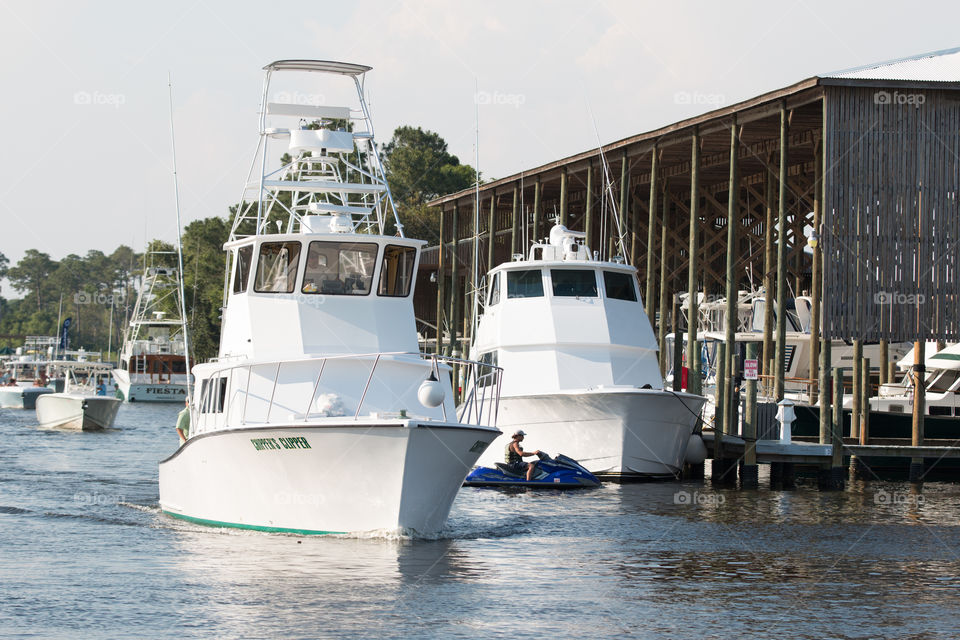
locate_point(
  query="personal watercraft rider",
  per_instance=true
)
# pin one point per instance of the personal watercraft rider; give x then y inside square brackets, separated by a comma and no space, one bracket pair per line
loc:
[514,456]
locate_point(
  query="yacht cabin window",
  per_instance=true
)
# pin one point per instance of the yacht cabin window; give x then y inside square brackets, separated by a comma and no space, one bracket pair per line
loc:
[525,284]
[494,297]
[574,283]
[241,276]
[277,267]
[396,272]
[619,286]
[340,268]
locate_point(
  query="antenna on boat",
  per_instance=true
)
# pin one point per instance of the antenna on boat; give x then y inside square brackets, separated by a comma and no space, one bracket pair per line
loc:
[476,210]
[608,188]
[176,197]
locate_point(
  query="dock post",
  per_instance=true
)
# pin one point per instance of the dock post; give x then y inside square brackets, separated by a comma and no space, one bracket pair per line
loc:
[865,402]
[514,226]
[677,346]
[769,268]
[454,318]
[664,297]
[622,210]
[492,231]
[718,423]
[816,268]
[651,238]
[749,476]
[836,467]
[884,358]
[537,216]
[781,260]
[693,376]
[826,417]
[563,196]
[919,407]
[725,364]
[441,288]
[588,208]
[857,379]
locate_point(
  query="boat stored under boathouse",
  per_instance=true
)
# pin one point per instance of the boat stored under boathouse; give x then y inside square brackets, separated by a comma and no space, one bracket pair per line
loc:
[842,187]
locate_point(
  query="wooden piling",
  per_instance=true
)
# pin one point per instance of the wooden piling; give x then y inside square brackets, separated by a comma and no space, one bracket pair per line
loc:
[865,403]
[919,407]
[664,293]
[733,221]
[563,196]
[622,210]
[781,260]
[588,208]
[816,269]
[492,231]
[837,471]
[720,404]
[537,215]
[441,288]
[677,346]
[454,283]
[693,376]
[857,379]
[651,228]
[749,470]
[514,226]
[884,359]
[769,269]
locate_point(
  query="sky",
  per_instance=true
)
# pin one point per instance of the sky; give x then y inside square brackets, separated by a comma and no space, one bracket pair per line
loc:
[86,162]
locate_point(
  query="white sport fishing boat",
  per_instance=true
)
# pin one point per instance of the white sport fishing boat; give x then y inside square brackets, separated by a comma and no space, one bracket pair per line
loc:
[152,363]
[319,415]
[84,404]
[26,373]
[582,376]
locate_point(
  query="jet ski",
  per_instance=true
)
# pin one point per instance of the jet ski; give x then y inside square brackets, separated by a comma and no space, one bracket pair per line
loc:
[551,473]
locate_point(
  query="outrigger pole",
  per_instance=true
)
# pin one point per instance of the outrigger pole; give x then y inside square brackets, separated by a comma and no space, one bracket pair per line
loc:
[176,195]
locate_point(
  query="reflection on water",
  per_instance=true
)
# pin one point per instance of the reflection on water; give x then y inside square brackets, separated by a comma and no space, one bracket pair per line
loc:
[86,552]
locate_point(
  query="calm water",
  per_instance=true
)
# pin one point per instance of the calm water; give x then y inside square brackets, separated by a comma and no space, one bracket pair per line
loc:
[84,552]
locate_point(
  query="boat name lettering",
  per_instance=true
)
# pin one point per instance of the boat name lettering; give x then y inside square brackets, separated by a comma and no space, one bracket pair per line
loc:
[263,444]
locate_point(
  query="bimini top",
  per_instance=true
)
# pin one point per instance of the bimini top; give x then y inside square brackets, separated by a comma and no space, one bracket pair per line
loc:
[323,66]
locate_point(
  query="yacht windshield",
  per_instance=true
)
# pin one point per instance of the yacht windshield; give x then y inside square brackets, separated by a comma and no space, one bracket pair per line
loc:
[525,284]
[619,286]
[340,268]
[396,273]
[277,267]
[244,258]
[574,283]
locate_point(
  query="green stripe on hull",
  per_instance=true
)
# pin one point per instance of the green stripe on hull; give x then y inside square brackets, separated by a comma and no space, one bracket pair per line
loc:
[251,527]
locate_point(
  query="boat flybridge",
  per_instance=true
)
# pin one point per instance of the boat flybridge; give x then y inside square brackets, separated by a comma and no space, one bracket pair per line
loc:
[153,365]
[582,373]
[320,415]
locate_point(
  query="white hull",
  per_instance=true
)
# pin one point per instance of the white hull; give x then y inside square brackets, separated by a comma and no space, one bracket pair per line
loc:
[21,397]
[629,434]
[75,411]
[352,476]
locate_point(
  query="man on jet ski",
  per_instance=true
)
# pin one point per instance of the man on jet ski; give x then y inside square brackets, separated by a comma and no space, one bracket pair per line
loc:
[515,455]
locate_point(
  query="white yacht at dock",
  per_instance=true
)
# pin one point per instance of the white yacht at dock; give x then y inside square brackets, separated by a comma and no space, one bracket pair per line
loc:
[581,373]
[320,415]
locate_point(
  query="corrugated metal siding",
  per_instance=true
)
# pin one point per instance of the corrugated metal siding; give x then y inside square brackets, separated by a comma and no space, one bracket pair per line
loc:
[941,66]
[891,236]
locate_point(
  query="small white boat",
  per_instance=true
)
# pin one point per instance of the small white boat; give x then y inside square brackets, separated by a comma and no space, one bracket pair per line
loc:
[582,376]
[79,406]
[319,415]
[21,395]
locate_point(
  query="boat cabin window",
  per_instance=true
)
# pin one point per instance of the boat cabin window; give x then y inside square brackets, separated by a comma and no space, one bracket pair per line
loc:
[277,267]
[213,392]
[494,297]
[945,381]
[396,272]
[619,286]
[241,274]
[488,375]
[340,268]
[574,283]
[525,284]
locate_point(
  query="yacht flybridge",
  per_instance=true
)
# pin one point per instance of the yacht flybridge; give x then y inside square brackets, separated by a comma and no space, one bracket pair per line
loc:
[582,374]
[320,415]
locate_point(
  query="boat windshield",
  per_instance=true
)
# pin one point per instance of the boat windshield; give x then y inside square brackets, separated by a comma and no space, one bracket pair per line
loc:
[396,272]
[277,267]
[619,286]
[574,283]
[525,284]
[340,268]
[244,258]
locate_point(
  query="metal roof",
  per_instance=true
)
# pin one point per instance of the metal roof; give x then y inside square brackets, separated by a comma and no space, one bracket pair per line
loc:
[938,66]
[323,66]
